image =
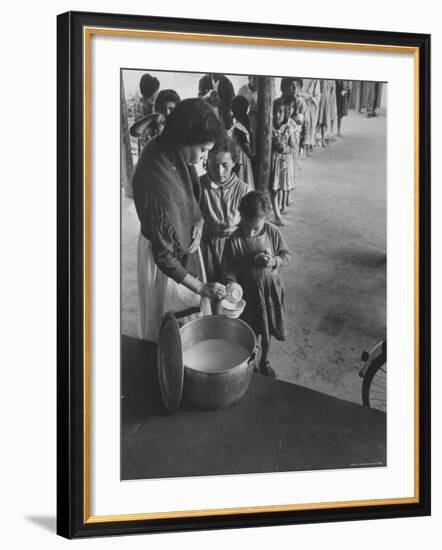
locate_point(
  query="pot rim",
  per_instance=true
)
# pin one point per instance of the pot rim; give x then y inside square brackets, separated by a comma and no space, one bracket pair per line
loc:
[209,373]
[199,319]
[254,351]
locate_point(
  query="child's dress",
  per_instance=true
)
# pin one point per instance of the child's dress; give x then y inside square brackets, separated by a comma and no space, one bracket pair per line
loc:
[262,286]
[296,130]
[240,135]
[219,206]
[282,175]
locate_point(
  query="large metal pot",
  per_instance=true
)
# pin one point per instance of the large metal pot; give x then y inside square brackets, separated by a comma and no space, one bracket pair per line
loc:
[220,389]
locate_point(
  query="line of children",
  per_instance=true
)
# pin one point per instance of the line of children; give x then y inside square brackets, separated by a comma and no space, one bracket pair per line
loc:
[238,242]
[240,245]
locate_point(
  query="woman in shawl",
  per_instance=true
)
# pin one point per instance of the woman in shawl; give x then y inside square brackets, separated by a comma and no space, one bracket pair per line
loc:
[166,194]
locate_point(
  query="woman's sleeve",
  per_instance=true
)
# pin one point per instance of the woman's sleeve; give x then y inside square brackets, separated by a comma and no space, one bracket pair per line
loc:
[202,87]
[165,244]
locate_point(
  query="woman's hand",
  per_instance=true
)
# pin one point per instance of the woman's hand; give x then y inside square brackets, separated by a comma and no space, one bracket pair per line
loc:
[197,231]
[214,291]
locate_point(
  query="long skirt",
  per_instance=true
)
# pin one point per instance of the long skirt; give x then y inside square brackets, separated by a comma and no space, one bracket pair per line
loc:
[158,294]
[310,122]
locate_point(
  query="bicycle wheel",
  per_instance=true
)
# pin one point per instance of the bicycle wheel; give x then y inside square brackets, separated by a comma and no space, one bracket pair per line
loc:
[374,384]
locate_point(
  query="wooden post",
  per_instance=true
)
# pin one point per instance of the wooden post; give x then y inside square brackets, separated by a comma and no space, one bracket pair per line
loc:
[127,164]
[264,117]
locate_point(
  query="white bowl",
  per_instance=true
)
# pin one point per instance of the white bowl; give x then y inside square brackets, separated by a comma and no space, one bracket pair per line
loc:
[233,293]
[232,310]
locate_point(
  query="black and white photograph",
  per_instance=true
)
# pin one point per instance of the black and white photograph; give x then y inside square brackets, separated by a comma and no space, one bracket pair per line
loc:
[253,274]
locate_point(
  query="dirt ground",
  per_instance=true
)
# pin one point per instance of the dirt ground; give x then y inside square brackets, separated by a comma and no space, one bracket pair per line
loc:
[336,282]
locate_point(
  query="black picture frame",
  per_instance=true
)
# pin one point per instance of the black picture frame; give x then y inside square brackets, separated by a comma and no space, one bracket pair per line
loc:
[72,514]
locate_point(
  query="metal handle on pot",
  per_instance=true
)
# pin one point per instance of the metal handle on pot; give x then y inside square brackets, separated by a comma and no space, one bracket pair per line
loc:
[256,351]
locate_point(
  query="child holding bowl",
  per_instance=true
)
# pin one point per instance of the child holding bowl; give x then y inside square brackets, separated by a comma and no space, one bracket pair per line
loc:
[254,256]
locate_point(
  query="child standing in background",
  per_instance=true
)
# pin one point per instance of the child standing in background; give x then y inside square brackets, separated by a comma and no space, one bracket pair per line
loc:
[282,174]
[221,193]
[145,105]
[153,124]
[253,258]
[290,105]
[240,133]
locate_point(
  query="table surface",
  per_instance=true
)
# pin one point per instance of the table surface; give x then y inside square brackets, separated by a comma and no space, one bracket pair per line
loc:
[277,426]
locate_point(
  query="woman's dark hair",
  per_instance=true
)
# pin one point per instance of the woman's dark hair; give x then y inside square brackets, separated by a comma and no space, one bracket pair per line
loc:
[225,144]
[166,96]
[148,85]
[254,205]
[240,106]
[286,85]
[299,81]
[288,99]
[192,122]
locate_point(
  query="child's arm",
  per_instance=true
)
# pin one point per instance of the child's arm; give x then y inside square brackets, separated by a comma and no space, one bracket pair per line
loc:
[281,251]
[292,140]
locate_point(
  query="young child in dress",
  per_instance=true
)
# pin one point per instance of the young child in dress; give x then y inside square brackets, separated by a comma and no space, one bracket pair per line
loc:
[282,174]
[253,258]
[300,114]
[240,132]
[293,121]
[221,193]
